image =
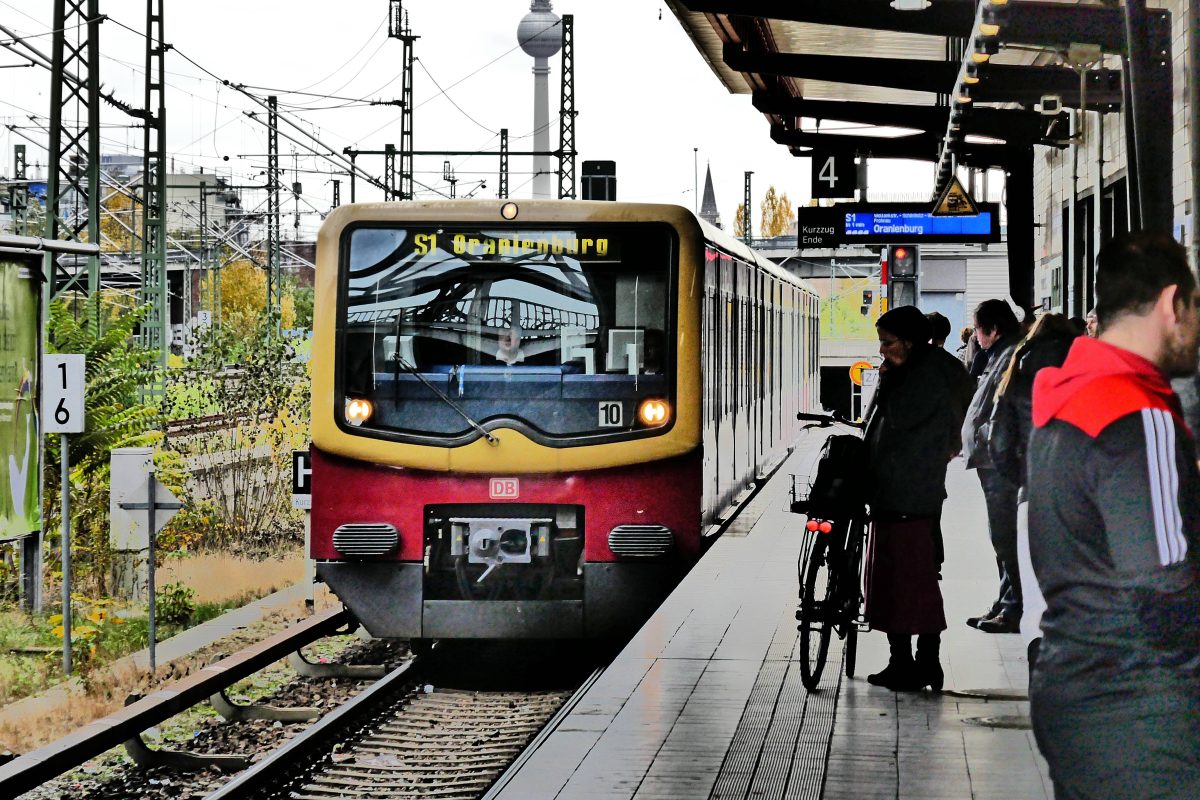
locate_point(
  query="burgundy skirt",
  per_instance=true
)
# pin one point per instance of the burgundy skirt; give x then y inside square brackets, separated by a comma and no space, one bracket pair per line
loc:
[902,580]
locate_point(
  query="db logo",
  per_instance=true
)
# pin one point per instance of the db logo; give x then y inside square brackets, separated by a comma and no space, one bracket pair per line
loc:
[504,489]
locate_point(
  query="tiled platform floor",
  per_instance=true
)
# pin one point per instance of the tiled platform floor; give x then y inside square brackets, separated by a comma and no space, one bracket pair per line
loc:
[706,701]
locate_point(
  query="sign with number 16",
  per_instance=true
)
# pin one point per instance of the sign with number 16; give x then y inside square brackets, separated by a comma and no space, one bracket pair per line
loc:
[62,394]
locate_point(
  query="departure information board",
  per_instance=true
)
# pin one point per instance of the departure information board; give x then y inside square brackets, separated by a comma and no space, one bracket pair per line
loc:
[885,223]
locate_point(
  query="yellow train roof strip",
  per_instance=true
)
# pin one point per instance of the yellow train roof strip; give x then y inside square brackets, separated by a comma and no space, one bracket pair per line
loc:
[516,453]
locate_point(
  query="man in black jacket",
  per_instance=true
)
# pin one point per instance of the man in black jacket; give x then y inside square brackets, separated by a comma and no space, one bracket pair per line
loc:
[1114,532]
[998,333]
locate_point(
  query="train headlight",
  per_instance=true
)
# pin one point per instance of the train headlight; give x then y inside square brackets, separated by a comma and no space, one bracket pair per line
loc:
[654,412]
[358,410]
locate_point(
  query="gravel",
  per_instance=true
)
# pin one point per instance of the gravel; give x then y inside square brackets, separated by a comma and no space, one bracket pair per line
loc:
[114,777]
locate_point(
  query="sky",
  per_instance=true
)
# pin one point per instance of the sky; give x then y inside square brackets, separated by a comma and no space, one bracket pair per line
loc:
[646,98]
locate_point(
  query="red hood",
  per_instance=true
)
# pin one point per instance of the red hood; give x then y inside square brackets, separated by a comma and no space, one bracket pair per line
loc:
[1098,384]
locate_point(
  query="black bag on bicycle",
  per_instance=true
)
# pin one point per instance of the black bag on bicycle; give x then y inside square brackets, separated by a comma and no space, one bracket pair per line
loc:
[839,488]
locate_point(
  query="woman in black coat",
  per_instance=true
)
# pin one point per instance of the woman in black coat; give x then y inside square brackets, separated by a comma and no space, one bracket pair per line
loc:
[912,433]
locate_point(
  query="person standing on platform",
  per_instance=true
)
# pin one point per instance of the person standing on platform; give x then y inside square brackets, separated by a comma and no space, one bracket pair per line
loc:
[963,388]
[1114,529]
[910,437]
[1012,423]
[998,332]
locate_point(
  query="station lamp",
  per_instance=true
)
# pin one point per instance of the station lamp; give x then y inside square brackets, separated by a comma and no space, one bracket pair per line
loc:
[985,48]
[991,19]
[971,74]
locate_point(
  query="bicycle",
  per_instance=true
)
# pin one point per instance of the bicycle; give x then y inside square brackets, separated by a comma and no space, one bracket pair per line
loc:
[831,557]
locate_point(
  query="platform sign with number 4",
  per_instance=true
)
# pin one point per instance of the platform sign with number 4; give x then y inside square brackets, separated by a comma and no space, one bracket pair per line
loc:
[833,175]
[62,393]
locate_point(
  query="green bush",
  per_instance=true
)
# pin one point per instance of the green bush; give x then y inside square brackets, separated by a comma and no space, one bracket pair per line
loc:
[175,604]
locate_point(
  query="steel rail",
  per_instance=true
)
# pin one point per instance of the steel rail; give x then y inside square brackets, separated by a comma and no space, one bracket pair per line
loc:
[33,769]
[271,773]
[519,762]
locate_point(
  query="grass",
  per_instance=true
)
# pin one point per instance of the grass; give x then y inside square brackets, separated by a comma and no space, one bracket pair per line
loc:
[31,652]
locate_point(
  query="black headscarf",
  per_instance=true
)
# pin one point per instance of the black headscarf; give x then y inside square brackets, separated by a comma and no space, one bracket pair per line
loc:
[908,324]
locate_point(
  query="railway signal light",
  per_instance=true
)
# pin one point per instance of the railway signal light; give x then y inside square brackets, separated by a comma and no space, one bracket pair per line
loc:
[901,274]
[902,261]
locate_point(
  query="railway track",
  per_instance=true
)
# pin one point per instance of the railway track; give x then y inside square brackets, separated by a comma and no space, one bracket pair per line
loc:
[404,737]
[438,726]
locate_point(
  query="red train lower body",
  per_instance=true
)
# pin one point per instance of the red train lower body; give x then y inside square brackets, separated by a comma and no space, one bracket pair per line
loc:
[428,555]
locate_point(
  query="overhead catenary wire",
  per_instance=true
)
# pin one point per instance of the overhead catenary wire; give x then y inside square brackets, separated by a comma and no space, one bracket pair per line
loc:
[311,142]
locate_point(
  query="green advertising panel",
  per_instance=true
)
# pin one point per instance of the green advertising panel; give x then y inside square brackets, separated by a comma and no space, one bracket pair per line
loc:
[20,513]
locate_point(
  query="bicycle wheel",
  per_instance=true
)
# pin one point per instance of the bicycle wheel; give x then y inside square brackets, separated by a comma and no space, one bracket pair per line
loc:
[818,609]
[853,593]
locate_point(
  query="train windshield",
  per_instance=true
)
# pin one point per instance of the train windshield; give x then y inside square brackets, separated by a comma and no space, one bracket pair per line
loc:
[559,333]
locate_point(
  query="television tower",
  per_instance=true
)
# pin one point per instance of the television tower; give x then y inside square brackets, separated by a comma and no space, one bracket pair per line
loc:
[540,35]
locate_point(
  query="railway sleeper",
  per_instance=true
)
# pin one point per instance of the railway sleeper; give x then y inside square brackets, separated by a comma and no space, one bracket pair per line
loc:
[434,752]
[439,769]
[345,779]
[423,791]
[452,742]
[446,757]
[400,794]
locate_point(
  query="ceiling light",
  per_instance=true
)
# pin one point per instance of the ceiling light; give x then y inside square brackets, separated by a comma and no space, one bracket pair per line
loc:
[910,5]
[984,49]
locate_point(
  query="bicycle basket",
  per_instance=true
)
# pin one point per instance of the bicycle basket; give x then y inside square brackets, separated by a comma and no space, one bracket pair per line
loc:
[839,487]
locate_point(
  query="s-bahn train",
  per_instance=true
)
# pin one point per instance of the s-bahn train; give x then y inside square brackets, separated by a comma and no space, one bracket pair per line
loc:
[527,414]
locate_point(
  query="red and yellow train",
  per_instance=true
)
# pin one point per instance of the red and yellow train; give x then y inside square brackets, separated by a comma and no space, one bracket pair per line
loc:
[527,414]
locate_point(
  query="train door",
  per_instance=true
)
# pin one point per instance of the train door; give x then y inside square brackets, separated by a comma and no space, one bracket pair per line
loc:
[739,368]
[710,364]
[726,453]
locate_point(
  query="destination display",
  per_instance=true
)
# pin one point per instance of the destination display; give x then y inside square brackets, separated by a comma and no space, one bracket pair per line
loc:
[883,223]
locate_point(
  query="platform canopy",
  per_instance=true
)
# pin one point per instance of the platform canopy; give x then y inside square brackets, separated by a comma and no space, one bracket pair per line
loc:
[955,82]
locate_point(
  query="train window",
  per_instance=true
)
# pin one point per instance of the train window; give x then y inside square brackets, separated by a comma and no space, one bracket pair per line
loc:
[540,327]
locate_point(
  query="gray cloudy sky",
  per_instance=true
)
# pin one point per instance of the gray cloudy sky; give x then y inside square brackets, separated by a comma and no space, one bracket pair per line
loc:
[644,95]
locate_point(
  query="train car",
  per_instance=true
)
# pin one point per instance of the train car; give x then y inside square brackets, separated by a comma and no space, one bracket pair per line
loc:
[528,414]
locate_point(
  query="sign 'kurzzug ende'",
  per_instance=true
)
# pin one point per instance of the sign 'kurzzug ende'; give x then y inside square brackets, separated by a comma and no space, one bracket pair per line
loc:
[848,224]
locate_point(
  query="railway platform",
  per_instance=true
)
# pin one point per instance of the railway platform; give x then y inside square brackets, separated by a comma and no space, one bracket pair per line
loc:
[706,699]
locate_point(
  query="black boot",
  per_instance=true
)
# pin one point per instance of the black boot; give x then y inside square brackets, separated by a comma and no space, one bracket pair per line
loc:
[928,666]
[900,673]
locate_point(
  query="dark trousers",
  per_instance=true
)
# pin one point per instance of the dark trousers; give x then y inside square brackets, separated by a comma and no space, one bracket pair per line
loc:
[1110,755]
[1001,498]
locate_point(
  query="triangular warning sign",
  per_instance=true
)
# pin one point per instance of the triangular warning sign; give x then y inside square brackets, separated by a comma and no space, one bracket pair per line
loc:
[955,202]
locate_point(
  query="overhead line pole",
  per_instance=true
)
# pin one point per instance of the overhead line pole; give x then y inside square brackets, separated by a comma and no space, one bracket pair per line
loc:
[156,328]
[503,190]
[566,129]
[398,28]
[74,163]
[273,278]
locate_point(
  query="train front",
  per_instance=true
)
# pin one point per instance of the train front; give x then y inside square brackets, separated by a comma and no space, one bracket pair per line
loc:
[506,415]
